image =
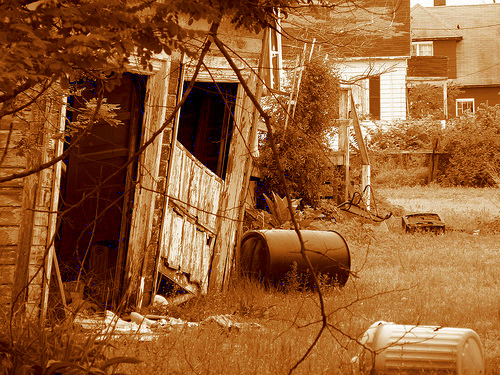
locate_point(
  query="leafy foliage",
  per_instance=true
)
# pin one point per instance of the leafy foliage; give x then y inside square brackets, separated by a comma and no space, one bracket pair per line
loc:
[426,101]
[405,135]
[28,348]
[57,41]
[473,144]
[303,145]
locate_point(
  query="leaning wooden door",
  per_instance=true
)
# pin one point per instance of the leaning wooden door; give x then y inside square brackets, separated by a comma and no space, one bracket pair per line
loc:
[190,218]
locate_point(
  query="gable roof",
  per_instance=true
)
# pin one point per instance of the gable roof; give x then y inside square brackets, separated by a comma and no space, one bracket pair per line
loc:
[477,27]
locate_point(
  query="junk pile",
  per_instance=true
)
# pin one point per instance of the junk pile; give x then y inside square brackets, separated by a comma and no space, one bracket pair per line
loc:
[149,327]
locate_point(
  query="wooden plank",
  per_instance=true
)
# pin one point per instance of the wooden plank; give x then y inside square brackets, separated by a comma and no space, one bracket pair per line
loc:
[184,180]
[5,295]
[232,197]
[12,160]
[39,235]
[198,270]
[175,245]
[10,216]
[9,235]
[7,274]
[167,229]
[359,135]
[188,246]
[8,255]
[147,174]
[176,180]
[9,171]
[194,190]
[41,218]
[15,137]
[38,254]
[11,197]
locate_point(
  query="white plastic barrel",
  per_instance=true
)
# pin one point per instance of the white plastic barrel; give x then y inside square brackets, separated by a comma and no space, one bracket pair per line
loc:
[396,349]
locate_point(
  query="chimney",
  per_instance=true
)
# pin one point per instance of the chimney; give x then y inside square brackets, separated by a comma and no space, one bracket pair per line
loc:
[439,3]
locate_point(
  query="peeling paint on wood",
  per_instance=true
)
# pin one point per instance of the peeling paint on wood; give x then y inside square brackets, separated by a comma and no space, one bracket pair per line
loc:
[189,221]
[233,190]
[149,164]
[9,235]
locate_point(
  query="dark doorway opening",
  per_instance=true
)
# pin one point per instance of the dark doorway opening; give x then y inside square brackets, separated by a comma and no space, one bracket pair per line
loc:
[97,186]
[206,123]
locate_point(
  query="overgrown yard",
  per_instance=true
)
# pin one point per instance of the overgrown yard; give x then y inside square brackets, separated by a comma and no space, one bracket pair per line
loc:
[450,280]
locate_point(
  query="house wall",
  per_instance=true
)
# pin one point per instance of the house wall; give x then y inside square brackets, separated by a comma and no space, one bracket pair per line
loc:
[447,48]
[482,95]
[428,66]
[392,85]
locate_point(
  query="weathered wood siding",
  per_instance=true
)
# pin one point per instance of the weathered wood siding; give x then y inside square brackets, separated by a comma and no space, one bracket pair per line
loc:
[25,202]
[190,223]
[142,244]
[234,193]
[392,85]
[11,200]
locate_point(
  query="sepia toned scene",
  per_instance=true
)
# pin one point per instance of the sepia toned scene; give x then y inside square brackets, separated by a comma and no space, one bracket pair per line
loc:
[249,187]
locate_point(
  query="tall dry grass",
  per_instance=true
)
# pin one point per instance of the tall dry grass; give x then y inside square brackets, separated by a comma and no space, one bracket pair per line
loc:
[451,280]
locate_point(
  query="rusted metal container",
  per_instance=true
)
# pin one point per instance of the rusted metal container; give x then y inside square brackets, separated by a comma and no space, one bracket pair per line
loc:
[271,254]
[397,349]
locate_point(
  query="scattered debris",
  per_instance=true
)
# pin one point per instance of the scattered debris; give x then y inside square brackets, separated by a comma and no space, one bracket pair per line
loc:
[148,327]
[227,321]
[113,326]
[160,301]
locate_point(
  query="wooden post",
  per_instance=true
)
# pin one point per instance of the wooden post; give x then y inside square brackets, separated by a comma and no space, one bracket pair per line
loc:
[445,100]
[365,184]
[365,172]
[52,225]
[344,137]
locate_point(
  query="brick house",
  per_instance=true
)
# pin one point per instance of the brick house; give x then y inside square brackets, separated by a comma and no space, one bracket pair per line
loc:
[459,45]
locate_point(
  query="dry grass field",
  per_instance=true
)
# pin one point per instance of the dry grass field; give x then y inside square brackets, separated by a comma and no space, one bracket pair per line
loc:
[449,280]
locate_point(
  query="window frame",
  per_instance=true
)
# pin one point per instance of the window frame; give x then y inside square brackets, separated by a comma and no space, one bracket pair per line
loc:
[464,100]
[418,45]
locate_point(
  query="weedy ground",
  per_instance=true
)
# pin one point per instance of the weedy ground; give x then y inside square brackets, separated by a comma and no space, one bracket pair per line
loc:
[449,280]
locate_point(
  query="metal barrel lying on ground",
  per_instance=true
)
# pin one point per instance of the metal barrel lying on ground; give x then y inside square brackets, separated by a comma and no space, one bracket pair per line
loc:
[270,254]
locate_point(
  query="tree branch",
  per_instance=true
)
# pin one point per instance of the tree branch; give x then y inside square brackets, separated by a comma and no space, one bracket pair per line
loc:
[281,173]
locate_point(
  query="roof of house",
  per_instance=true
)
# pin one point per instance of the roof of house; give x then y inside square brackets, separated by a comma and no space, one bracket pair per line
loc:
[477,30]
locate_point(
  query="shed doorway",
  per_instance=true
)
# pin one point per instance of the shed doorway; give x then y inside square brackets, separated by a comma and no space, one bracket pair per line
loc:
[206,123]
[97,189]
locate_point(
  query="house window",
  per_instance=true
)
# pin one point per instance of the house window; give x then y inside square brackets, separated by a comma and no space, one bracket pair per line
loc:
[422,49]
[375,97]
[465,105]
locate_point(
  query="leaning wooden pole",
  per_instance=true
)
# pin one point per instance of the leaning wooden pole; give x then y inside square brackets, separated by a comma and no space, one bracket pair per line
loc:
[365,160]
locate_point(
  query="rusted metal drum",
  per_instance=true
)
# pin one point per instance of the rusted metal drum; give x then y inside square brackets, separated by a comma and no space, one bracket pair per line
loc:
[271,254]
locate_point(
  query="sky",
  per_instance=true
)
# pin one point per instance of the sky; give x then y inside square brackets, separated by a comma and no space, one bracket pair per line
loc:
[429,3]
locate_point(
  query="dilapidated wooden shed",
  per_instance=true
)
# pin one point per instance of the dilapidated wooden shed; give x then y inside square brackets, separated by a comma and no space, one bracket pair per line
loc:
[123,217]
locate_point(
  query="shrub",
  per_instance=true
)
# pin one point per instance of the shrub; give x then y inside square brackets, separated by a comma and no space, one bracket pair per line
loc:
[473,144]
[303,144]
[405,135]
[426,101]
